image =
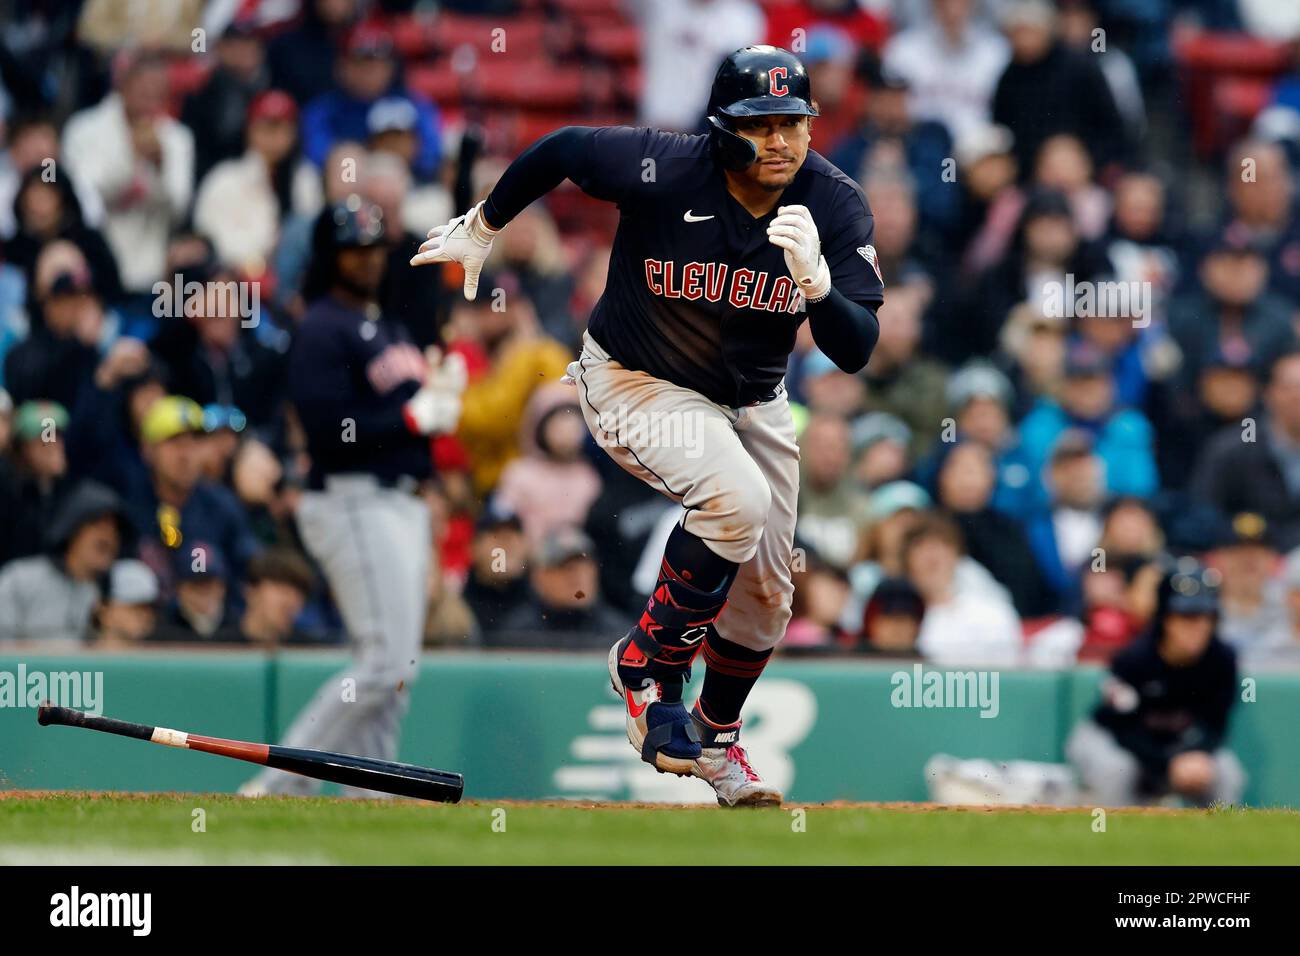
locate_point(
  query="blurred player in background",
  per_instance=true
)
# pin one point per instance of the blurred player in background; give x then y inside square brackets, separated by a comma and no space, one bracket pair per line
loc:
[368,401]
[1162,723]
[717,261]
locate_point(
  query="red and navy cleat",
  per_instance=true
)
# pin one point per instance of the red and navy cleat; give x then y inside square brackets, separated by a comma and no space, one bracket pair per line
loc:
[661,730]
[724,765]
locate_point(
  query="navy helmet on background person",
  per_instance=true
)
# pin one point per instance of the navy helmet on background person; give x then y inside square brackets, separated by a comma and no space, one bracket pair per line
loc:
[1189,587]
[353,223]
[756,81]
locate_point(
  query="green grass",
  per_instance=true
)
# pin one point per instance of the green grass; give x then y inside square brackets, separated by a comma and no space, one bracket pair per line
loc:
[74,828]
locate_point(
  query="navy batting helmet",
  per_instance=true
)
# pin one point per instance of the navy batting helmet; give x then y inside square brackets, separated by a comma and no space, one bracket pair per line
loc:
[350,224]
[1189,588]
[755,81]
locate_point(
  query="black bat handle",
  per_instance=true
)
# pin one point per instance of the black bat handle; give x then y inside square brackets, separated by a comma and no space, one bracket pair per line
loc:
[47,714]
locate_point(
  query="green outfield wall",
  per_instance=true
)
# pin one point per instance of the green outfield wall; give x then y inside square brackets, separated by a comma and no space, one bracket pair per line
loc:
[528,725]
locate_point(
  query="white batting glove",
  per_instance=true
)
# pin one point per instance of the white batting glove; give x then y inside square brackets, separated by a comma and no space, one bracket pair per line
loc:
[435,408]
[794,231]
[466,239]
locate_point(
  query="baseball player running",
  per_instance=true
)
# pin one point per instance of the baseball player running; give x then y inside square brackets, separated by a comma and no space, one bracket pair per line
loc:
[367,400]
[726,243]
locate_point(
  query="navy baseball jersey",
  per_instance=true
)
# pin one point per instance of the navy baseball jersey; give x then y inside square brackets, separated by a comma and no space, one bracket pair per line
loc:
[696,293]
[349,376]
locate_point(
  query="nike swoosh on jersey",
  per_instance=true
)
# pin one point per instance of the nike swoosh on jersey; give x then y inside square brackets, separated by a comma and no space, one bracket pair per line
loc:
[689,218]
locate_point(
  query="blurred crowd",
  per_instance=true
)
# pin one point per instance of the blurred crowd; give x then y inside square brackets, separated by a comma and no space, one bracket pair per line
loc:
[1005,483]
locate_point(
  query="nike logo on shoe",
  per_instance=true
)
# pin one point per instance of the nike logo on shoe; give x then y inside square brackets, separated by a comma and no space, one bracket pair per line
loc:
[689,218]
[633,708]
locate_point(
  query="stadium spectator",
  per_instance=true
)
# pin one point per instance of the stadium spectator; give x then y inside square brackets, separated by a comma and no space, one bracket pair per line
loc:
[1118,599]
[141,161]
[275,590]
[1160,727]
[1140,242]
[1281,647]
[367,73]
[564,599]
[1130,527]
[128,615]
[51,596]
[497,584]
[1081,31]
[952,62]
[179,507]
[891,623]
[820,592]
[393,128]
[1063,165]
[893,511]
[416,297]
[242,201]
[979,401]
[34,478]
[302,59]
[899,379]
[1064,534]
[1261,214]
[990,201]
[57,360]
[964,489]
[33,143]
[1046,256]
[682,43]
[832,509]
[1031,350]
[108,26]
[1252,603]
[198,610]
[829,57]
[218,112]
[1231,308]
[211,351]
[1044,70]
[1122,436]
[531,249]
[622,523]
[550,485]
[1255,466]
[222,426]
[961,626]
[881,450]
[887,134]
[48,209]
[507,357]
[104,433]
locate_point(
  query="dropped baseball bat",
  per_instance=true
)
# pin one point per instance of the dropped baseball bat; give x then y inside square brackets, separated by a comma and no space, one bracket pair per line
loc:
[403,779]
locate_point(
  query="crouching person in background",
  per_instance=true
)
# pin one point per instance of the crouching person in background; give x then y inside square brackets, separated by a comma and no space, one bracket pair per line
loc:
[1160,728]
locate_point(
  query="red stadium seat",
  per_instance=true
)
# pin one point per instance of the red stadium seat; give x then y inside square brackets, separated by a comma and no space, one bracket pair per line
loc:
[617,43]
[437,82]
[537,84]
[523,37]
[1207,61]
[413,36]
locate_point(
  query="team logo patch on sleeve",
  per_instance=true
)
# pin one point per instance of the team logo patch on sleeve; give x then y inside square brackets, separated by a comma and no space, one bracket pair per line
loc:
[869,253]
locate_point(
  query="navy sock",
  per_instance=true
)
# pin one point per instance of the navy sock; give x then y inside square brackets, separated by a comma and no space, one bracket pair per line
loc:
[730,674]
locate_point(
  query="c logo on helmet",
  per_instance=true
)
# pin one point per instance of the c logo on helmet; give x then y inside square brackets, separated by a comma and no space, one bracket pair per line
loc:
[776,78]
